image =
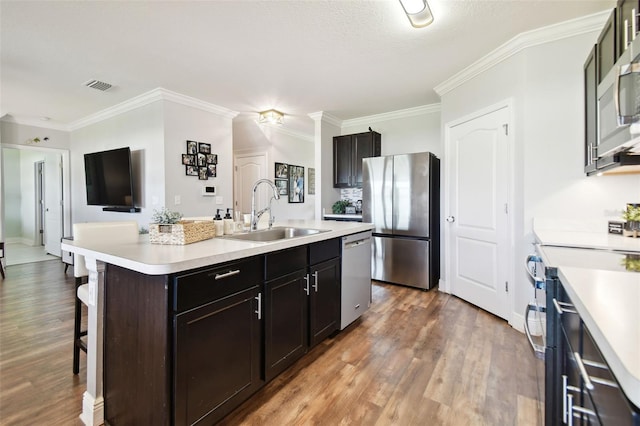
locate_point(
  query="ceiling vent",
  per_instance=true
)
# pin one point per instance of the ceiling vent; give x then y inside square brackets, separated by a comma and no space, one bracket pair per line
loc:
[98,85]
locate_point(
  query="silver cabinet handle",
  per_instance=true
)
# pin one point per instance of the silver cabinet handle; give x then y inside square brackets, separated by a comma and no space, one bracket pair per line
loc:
[562,307]
[538,282]
[538,350]
[259,311]
[306,285]
[315,276]
[564,399]
[583,371]
[227,274]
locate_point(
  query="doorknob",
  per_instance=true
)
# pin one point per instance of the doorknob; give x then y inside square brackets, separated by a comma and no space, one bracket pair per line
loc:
[450,219]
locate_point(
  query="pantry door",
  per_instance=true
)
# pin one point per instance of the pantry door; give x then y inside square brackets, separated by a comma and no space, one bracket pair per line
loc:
[477,211]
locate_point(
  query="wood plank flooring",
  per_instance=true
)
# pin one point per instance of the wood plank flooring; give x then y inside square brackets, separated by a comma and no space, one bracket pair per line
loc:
[415,358]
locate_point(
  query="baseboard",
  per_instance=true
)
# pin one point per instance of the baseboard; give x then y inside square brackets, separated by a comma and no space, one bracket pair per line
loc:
[20,240]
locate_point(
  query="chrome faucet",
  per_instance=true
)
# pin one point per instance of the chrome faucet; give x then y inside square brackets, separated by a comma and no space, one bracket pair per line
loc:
[255,216]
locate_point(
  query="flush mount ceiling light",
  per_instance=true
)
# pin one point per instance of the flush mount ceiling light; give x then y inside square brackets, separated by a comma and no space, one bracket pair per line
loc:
[271,116]
[418,12]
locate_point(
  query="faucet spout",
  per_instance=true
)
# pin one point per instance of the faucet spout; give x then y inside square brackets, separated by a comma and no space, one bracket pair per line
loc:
[256,215]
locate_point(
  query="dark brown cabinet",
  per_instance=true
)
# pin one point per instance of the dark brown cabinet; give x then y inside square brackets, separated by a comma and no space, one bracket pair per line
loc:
[348,152]
[324,289]
[591,111]
[607,52]
[286,309]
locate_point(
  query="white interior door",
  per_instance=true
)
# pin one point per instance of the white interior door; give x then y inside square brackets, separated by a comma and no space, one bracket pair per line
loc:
[477,215]
[249,169]
[52,203]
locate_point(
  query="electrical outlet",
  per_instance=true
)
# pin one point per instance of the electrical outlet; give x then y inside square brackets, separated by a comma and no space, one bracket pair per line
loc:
[176,200]
[218,200]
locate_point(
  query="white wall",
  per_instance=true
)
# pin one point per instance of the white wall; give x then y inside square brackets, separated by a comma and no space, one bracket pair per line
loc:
[281,147]
[545,85]
[141,129]
[12,195]
[402,134]
[182,123]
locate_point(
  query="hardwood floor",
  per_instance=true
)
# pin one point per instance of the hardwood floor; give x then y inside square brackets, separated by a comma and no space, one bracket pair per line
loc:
[415,357]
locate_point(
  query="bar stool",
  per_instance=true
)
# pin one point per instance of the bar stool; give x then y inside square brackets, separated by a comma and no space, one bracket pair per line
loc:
[91,232]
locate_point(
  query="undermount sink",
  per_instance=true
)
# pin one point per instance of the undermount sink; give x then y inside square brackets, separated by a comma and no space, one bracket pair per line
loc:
[275,234]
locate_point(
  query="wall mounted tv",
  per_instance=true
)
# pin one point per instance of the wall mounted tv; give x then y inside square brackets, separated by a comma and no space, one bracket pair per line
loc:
[109,180]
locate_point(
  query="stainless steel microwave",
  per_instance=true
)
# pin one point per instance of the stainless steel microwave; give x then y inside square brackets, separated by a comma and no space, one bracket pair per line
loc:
[619,105]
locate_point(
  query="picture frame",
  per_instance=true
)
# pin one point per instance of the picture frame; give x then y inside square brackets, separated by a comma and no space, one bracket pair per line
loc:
[191,170]
[204,148]
[203,173]
[311,185]
[296,184]
[283,186]
[192,147]
[202,159]
[188,159]
[281,171]
[212,158]
[212,170]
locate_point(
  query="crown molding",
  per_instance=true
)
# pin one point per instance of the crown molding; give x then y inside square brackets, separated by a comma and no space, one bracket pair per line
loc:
[149,98]
[523,41]
[393,115]
[34,122]
[325,116]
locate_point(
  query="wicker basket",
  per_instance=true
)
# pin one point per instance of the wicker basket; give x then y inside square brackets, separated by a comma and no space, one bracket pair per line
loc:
[183,232]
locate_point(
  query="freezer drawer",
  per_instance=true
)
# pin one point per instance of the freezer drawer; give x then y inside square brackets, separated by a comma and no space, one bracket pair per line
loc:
[402,261]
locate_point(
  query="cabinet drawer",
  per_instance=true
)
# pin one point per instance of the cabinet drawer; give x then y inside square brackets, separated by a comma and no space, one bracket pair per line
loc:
[285,262]
[197,288]
[324,250]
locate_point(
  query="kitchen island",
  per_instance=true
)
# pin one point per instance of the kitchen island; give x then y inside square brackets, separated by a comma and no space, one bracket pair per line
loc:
[593,326]
[192,331]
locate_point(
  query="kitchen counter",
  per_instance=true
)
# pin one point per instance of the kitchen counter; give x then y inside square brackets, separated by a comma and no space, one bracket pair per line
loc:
[606,295]
[158,259]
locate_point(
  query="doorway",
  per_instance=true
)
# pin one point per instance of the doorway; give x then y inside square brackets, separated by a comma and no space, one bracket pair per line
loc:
[477,226]
[35,212]
[249,168]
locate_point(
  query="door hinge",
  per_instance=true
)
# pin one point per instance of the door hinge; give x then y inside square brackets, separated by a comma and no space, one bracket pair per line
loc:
[506,208]
[506,129]
[506,286]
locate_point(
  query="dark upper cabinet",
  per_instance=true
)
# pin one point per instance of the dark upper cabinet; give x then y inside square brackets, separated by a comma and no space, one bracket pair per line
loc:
[607,52]
[348,152]
[590,110]
[627,20]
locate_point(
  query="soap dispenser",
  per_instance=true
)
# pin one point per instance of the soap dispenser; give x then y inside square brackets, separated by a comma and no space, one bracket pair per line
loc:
[219,224]
[228,223]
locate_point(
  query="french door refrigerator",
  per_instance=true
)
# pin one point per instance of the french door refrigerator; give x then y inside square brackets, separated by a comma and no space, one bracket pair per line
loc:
[401,197]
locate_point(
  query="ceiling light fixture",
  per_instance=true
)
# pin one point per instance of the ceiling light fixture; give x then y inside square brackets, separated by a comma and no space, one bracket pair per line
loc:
[271,116]
[418,12]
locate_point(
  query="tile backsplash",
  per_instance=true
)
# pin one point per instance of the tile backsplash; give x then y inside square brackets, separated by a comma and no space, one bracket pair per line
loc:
[352,194]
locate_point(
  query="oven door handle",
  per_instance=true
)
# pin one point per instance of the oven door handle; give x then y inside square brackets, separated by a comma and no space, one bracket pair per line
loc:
[536,282]
[538,350]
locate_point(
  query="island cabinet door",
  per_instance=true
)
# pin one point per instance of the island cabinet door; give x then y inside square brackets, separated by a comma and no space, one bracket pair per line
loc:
[286,322]
[217,352]
[324,300]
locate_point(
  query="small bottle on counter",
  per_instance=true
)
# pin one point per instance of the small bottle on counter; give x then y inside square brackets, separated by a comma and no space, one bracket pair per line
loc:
[229,225]
[219,224]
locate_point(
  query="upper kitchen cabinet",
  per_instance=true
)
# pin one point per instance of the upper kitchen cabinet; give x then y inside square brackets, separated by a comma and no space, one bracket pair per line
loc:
[627,20]
[348,152]
[607,52]
[591,110]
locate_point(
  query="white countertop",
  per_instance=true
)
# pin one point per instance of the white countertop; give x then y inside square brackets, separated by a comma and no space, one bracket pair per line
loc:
[581,239]
[609,304]
[605,295]
[158,259]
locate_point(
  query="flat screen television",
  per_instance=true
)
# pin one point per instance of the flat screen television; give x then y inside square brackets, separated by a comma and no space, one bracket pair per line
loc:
[109,180]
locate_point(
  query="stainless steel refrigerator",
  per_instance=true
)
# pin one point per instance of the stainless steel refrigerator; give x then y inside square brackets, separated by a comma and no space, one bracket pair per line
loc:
[401,197]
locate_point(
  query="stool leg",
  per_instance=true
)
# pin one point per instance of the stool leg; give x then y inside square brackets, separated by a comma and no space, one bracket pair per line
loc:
[76,337]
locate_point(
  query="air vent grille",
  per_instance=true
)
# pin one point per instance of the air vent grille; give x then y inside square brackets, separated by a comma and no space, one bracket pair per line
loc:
[98,85]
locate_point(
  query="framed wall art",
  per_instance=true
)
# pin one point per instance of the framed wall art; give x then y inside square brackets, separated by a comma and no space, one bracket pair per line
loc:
[192,147]
[296,184]
[199,161]
[283,187]
[204,148]
[311,186]
[281,171]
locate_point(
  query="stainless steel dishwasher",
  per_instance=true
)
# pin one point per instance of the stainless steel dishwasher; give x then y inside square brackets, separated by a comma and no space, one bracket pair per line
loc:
[356,277]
